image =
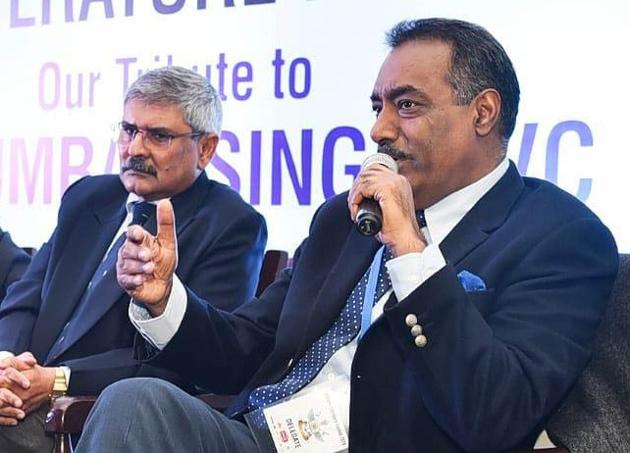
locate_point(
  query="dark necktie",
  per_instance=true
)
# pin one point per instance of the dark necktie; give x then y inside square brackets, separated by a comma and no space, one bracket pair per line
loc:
[343,330]
[141,212]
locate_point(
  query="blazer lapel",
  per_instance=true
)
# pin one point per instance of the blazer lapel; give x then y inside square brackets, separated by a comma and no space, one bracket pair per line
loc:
[86,247]
[487,215]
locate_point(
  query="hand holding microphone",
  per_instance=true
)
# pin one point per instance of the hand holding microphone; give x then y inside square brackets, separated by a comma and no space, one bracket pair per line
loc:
[381,203]
[369,219]
[146,263]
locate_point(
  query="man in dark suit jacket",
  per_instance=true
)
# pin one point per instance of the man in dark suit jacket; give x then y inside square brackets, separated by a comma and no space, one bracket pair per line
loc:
[69,311]
[13,262]
[485,329]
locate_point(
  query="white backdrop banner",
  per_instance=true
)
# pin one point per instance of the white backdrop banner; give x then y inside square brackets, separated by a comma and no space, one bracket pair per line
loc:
[295,78]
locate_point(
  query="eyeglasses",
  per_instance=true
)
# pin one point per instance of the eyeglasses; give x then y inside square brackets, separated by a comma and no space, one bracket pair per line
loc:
[158,138]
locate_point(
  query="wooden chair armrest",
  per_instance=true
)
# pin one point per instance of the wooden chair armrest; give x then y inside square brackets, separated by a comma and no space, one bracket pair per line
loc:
[68,414]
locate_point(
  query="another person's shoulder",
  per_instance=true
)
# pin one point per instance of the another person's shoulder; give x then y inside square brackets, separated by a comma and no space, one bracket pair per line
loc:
[7,246]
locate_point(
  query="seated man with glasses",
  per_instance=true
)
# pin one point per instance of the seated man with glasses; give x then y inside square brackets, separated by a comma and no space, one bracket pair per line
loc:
[65,327]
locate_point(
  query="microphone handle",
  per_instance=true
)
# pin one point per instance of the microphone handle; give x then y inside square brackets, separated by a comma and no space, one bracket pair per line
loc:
[369,218]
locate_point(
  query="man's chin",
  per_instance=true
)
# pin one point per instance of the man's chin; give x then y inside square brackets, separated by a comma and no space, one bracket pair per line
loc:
[138,183]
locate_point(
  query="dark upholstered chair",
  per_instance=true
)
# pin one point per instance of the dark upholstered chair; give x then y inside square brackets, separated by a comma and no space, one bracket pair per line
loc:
[273,262]
[68,414]
[595,418]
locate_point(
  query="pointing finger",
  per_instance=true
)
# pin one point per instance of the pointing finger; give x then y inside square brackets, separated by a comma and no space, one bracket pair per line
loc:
[166,224]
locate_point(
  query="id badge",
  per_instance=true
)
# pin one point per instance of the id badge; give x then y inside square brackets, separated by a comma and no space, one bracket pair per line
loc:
[309,423]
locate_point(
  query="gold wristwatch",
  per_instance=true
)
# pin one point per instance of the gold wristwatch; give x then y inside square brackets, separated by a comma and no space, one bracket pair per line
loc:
[60,386]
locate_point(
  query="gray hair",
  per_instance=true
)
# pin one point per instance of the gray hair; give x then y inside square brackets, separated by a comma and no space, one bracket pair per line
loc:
[174,85]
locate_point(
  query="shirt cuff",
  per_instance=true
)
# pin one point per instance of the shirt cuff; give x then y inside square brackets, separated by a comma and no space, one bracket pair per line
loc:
[6,355]
[67,372]
[160,330]
[407,272]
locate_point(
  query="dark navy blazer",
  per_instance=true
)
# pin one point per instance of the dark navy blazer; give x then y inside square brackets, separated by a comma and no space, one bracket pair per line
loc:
[13,262]
[497,362]
[221,241]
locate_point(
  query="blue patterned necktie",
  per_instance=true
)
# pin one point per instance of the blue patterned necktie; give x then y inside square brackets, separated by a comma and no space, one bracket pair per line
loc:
[343,330]
[142,211]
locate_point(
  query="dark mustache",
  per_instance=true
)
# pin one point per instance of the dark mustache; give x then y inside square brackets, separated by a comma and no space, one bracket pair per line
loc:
[391,151]
[140,165]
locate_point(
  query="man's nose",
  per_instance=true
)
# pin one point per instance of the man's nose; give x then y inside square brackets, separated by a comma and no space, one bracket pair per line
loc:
[136,145]
[386,126]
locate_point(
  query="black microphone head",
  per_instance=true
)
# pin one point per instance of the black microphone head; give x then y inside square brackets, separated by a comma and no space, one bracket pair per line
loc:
[380,159]
[141,212]
[369,218]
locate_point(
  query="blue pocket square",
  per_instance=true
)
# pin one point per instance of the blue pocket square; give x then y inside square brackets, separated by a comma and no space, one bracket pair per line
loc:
[471,282]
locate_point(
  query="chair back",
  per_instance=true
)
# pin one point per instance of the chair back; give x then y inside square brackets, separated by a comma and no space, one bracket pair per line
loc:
[596,415]
[273,262]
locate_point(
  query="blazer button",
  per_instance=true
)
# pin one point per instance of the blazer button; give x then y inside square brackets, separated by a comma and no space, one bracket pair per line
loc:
[416,330]
[411,320]
[420,341]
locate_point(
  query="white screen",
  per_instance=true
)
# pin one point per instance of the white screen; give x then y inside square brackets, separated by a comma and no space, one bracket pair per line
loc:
[66,64]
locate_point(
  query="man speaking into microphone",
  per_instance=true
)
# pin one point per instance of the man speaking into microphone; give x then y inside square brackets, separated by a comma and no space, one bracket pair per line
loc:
[466,342]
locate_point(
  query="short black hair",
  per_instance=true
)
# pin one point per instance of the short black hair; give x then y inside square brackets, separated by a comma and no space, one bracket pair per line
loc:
[478,62]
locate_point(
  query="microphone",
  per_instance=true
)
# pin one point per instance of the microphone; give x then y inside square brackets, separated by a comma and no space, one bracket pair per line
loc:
[141,212]
[370,218]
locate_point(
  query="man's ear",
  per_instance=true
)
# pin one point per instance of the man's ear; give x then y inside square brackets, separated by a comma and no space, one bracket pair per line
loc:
[487,105]
[207,147]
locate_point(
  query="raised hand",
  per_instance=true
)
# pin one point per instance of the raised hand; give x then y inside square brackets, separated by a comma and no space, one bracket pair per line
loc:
[146,263]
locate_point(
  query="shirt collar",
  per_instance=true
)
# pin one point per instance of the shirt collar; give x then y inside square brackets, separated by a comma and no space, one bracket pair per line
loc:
[132,199]
[442,217]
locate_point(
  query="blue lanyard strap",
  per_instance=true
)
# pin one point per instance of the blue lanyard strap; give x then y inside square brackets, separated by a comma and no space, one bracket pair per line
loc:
[370,290]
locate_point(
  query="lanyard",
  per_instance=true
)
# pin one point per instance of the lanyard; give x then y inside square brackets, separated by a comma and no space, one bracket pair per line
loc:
[370,290]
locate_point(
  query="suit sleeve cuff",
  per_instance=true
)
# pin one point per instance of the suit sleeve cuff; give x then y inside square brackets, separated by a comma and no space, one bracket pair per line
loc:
[408,272]
[160,330]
